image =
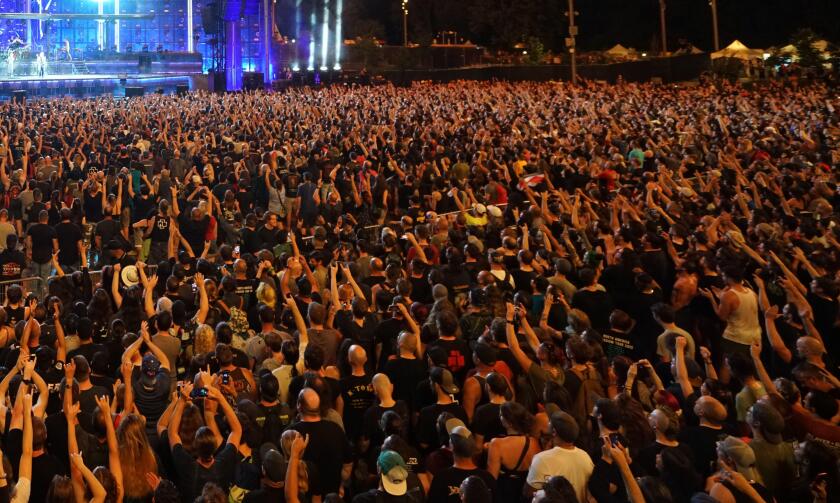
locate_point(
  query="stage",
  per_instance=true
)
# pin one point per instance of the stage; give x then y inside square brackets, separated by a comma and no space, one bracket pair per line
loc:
[108,74]
[93,85]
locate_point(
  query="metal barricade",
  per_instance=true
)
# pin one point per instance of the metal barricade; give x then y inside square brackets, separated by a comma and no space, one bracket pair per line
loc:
[31,284]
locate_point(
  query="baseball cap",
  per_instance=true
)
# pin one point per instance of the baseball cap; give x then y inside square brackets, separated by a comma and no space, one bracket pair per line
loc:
[445,379]
[740,453]
[480,209]
[273,462]
[455,426]
[150,368]
[770,420]
[494,211]
[394,472]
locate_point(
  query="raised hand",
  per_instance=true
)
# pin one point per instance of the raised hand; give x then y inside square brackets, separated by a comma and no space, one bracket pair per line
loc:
[299,445]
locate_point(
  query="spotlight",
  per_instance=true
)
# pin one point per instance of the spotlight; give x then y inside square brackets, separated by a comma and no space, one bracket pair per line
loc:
[337,67]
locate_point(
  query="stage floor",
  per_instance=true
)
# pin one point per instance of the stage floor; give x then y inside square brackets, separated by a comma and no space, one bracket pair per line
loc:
[93,84]
[86,76]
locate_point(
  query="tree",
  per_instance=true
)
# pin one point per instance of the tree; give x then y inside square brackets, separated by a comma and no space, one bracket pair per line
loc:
[804,40]
[536,51]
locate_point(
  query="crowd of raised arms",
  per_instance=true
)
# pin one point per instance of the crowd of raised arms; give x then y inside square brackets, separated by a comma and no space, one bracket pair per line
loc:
[478,292]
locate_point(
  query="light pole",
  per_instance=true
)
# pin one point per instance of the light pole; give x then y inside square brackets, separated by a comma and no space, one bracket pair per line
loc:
[405,22]
[662,26]
[570,42]
[713,3]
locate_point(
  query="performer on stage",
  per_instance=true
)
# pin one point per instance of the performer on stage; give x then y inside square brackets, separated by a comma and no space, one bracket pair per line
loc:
[41,63]
[67,50]
[10,62]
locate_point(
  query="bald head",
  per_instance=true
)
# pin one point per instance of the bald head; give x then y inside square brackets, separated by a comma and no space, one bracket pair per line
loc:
[710,409]
[357,356]
[309,403]
[382,386]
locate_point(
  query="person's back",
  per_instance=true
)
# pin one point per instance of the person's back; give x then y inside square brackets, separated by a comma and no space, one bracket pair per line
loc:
[742,323]
[776,463]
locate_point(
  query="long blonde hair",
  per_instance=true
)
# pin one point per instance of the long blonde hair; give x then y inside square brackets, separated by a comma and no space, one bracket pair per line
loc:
[136,456]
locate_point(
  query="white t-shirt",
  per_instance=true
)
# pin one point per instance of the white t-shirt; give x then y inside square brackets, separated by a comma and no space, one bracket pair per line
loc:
[23,488]
[574,464]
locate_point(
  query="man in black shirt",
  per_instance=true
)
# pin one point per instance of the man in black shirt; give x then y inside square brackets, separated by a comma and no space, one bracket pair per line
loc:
[269,233]
[357,393]
[69,243]
[445,388]
[446,484]
[41,243]
[593,300]
[193,227]
[328,446]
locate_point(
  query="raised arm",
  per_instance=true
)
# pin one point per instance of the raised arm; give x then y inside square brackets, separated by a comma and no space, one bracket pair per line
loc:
[414,327]
[513,342]
[292,487]
[115,286]
[148,301]
[301,327]
[159,354]
[113,448]
[682,370]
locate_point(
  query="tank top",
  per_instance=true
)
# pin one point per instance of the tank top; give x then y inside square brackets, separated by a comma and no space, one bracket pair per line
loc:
[742,325]
[160,231]
[511,481]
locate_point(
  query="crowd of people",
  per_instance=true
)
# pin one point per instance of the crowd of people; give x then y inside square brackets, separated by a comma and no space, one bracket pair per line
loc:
[478,292]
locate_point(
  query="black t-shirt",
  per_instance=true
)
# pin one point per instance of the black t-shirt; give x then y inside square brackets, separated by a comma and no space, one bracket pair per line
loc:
[486,421]
[107,229]
[362,335]
[193,231]
[69,235]
[191,476]
[357,393]
[269,238]
[405,374]
[251,241]
[142,207]
[265,494]
[459,356]
[597,305]
[386,334]
[703,443]
[523,279]
[427,421]
[329,449]
[44,467]
[374,413]
[42,236]
[87,350]
[12,263]
[446,484]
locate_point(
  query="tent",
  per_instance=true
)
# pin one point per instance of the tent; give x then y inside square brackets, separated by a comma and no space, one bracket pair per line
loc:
[618,51]
[738,50]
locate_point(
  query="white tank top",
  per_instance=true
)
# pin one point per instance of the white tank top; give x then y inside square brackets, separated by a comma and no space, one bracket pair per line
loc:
[742,325]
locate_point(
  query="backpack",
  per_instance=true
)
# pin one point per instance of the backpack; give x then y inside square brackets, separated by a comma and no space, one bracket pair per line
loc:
[273,421]
[589,392]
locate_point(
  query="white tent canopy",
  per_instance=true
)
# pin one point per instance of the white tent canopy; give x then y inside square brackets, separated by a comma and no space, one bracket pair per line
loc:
[618,51]
[737,50]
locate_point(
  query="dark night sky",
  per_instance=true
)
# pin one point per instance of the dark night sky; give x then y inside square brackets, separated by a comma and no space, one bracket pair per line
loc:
[757,23]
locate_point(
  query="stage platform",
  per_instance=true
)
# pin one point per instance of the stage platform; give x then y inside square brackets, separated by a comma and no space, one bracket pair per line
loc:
[92,85]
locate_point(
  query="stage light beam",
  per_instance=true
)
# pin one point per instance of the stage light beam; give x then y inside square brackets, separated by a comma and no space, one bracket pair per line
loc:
[325,35]
[338,25]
